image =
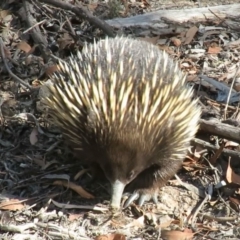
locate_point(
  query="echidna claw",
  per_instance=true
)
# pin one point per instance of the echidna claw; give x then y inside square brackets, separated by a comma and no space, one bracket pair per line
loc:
[142,198]
[132,198]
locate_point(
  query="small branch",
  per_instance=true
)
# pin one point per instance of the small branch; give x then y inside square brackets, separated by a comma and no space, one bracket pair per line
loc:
[17,229]
[209,146]
[81,12]
[229,94]
[35,31]
[220,129]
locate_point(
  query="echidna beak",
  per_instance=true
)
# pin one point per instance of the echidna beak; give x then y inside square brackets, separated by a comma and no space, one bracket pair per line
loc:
[117,191]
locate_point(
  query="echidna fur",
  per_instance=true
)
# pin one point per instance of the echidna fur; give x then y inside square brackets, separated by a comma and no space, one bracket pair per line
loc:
[123,103]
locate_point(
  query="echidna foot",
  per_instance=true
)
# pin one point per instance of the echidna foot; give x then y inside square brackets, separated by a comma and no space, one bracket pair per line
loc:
[142,198]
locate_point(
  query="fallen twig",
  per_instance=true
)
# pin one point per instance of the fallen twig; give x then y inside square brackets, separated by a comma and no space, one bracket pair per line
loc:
[35,31]
[81,12]
[217,128]
[209,146]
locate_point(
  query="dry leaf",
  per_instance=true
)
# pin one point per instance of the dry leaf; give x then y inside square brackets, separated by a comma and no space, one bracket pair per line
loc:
[192,78]
[74,206]
[214,50]
[231,176]
[92,6]
[33,136]
[206,227]
[49,163]
[50,70]
[73,217]
[192,72]
[231,144]
[166,224]
[75,188]
[24,46]
[80,173]
[102,237]
[218,152]
[36,83]
[11,204]
[5,19]
[146,3]
[111,237]
[198,151]
[39,162]
[235,201]
[177,42]
[173,235]
[3,14]
[190,34]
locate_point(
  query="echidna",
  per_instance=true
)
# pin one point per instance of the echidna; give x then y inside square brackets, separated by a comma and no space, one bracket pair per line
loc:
[123,104]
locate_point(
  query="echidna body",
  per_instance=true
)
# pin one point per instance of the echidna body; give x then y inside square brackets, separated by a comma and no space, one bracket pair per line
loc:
[124,105]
